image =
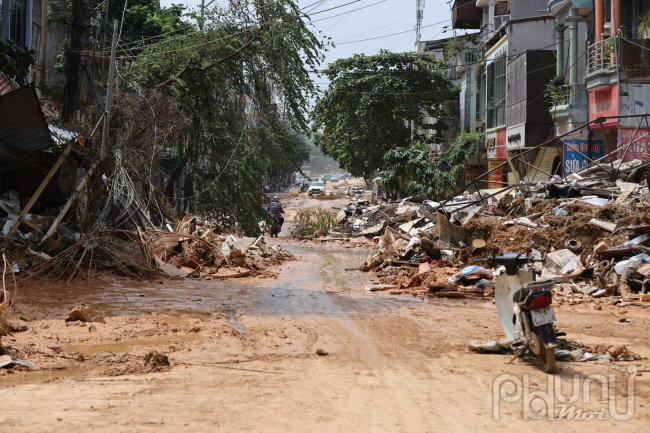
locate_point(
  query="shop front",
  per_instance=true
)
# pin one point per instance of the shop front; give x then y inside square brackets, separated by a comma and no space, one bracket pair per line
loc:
[495,143]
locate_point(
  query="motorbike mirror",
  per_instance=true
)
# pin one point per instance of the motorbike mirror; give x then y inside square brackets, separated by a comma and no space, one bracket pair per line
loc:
[479,243]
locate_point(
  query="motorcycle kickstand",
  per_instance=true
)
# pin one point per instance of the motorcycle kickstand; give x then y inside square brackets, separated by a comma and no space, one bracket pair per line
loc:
[517,354]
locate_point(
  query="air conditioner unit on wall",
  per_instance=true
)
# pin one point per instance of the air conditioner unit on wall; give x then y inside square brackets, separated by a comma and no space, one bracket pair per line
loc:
[501,8]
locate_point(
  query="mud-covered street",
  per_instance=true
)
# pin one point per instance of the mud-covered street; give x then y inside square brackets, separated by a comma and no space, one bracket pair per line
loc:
[243,356]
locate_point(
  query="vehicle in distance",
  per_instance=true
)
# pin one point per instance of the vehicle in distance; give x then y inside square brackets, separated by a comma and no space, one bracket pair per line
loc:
[316,188]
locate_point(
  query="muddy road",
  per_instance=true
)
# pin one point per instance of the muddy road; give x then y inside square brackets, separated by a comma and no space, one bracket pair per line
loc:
[243,358]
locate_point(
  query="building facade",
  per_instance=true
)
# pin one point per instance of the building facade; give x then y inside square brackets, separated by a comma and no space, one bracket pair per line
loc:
[576,70]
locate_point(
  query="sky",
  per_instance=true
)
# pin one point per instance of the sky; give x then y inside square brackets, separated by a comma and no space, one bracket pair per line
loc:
[374,18]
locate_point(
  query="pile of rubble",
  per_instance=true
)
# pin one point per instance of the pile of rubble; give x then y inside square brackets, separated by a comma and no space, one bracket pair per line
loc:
[191,249]
[592,229]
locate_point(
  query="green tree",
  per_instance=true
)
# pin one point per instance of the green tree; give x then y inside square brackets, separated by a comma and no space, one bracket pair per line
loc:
[229,80]
[411,170]
[146,17]
[15,61]
[371,100]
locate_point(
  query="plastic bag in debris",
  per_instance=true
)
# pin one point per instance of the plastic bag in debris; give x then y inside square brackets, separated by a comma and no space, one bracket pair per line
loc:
[474,271]
[413,242]
[632,262]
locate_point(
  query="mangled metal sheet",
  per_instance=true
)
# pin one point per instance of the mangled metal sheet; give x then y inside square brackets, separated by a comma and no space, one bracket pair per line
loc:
[22,123]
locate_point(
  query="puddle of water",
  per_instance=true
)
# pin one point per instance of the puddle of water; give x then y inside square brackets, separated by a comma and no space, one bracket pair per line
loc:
[29,377]
[128,345]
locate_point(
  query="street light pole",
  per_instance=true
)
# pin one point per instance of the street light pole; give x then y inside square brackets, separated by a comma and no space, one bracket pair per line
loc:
[109,91]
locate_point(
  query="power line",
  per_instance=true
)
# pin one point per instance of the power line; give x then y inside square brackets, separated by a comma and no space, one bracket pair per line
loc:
[336,7]
[345,16]
[378,37]
[384,36]
[343,13]
[378,28]
[219,24]
[182,28]
[231,35]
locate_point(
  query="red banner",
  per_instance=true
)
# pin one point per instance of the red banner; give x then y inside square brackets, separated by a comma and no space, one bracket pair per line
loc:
[638,150]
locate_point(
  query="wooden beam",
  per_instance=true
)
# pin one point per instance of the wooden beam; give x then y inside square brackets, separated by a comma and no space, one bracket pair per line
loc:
[39,191]
[67,206]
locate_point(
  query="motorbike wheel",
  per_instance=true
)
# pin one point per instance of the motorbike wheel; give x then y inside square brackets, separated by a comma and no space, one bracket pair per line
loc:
[547,359]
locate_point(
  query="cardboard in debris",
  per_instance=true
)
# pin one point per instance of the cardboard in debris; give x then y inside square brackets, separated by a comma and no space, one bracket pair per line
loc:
[170,270]
[451,233]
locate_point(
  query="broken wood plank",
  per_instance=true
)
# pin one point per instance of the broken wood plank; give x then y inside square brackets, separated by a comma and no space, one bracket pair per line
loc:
[603,225]
[471,215]
[39,191]
[67,206]
[626,192]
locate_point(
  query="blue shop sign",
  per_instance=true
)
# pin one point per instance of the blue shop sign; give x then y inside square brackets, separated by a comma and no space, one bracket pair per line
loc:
[576,153]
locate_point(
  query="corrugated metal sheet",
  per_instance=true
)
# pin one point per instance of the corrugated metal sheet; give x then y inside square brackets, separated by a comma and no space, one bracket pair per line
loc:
[6,85]
[22,123]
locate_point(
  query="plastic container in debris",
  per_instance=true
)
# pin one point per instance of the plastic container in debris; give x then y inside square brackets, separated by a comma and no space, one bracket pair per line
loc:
[560,212]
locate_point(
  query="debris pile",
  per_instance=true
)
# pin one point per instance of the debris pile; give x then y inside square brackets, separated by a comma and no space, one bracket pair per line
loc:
[592,229]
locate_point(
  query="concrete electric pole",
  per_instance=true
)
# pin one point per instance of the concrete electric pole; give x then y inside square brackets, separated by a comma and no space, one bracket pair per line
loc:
[419,14]
[109,91]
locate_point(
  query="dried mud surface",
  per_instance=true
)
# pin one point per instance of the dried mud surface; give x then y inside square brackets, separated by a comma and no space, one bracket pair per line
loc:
[242,356]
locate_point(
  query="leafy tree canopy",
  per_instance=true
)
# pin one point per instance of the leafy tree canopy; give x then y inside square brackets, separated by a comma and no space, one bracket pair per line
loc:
[15,61]
[147,18]
[238,82]
[367,108]
[411,170]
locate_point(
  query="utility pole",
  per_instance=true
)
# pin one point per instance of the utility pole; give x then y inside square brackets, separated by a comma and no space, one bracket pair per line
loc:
[203,6]
[109,91]
[419,14]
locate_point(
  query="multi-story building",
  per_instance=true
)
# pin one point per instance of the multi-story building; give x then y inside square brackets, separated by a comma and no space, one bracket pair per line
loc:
[618,76]
[552,67]
[516,48]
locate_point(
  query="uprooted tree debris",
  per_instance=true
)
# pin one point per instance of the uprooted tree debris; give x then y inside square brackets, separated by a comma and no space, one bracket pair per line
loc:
[127,236]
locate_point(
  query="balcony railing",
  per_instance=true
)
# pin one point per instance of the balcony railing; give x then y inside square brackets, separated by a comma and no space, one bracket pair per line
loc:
[601,55]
